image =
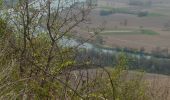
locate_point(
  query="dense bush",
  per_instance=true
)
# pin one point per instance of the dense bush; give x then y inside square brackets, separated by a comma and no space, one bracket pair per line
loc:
[2,27]
[105,12]
[142,13]
[123,11]
[157,63]
[140,3]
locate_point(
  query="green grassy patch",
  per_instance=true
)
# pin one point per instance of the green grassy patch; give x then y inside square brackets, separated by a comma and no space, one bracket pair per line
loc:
[129,32]
[148,32]
[118,33]
[154,14]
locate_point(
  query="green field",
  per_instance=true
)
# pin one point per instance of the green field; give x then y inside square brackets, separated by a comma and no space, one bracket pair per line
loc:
[149,32]
[129,32]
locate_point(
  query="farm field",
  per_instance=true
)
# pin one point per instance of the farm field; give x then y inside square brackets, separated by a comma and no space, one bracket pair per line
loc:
[123,28]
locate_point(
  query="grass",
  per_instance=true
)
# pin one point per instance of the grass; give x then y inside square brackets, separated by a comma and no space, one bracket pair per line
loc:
[129,32]
[152,14]
[149,32]
[117,33]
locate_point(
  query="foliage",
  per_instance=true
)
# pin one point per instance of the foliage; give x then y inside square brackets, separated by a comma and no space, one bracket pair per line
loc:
[105,12]
[34,65]
[146,3]
[148,32]
[3,26]
[116,85]
[42,86]
[109,11]
[143,14]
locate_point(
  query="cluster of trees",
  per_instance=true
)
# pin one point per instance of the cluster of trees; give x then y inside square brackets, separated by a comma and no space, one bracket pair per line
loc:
[166,26]
[145,3]
[157,52]
[153,65]
[140,62]
[143,13]
[105,12]
[124,11]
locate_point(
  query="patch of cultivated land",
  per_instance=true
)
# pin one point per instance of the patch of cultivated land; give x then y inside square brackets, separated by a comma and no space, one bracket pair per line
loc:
[131,36]
[134,39]
[137,41]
